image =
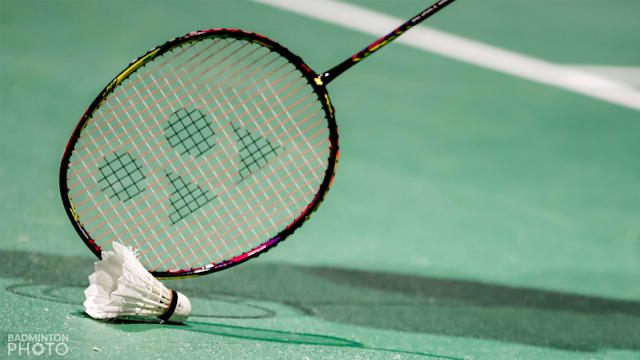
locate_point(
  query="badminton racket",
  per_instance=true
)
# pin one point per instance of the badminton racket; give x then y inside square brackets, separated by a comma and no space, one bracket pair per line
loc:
[206,151]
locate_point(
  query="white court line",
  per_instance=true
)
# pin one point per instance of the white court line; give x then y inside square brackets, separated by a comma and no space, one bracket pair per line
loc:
[477,53]
[629,75]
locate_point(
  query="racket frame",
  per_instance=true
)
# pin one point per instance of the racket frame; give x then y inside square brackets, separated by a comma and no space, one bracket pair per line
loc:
[318,83]
[332,73]
[311,77]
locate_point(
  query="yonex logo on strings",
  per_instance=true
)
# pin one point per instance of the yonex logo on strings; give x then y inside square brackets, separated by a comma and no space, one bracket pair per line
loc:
[190,133]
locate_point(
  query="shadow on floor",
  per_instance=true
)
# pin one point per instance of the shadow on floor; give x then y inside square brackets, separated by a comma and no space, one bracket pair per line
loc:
[378,300]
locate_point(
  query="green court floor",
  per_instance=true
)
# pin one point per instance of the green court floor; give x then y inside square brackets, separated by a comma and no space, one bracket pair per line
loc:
[474,214]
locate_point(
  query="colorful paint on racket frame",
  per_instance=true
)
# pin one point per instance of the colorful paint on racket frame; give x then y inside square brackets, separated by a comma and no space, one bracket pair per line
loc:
[116,178]
[311,79]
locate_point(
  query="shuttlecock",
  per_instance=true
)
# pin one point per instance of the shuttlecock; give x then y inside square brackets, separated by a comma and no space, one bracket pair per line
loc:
[121,287]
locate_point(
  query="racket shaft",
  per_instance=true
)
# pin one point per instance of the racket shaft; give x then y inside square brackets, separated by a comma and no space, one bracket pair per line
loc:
[331,74]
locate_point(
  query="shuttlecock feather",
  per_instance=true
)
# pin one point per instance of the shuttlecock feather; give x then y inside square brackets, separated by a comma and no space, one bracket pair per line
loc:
[121,287]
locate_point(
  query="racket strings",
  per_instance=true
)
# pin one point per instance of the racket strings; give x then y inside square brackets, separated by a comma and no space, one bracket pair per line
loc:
[146,130]
[146,107]
[210,224]
[227,101]
[175,91]
[279,200]
[235,196]
[255,195]
[232,221]
[239,102]
[138,92]
[116,149]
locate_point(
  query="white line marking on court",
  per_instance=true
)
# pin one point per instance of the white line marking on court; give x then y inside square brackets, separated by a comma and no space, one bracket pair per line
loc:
[473,52]
[629,75]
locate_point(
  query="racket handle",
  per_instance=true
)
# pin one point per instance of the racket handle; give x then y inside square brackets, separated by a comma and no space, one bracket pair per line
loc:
[331,74]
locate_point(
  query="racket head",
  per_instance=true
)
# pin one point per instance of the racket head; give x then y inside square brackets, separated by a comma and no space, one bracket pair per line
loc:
[114,185]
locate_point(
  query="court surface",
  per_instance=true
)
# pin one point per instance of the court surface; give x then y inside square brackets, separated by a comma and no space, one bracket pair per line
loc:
[486,205]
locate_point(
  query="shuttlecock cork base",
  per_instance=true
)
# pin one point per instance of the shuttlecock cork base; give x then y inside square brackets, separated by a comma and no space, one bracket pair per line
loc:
[179,308]
[121,288]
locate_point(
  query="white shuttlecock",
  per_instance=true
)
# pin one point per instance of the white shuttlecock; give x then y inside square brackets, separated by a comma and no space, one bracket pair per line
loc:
[121,287]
